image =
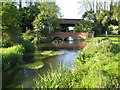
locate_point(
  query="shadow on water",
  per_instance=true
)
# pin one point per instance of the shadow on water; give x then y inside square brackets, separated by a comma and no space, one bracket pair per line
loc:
[17,77]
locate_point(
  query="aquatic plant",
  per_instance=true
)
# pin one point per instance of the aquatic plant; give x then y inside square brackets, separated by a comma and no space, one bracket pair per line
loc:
[46,54]
[35,65]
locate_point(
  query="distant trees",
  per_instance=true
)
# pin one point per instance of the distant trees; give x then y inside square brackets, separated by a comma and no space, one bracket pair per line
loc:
[85,25]
[104,14]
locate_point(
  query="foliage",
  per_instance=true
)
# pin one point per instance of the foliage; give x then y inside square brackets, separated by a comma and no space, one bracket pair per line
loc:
[96,61]
[10,21]
[95,67]
[35,65]
[28,15]
[11,56]
[27,45]
[46,21]
[113,29]
[28,35]
[104,15]
[45,40]
[84,26]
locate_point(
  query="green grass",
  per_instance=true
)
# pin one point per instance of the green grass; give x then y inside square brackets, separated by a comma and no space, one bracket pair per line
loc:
[95,67]
[113,38]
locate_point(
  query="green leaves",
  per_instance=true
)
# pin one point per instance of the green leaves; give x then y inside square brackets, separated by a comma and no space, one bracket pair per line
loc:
[85,25]
[10,19]
[46,21]
[12,56]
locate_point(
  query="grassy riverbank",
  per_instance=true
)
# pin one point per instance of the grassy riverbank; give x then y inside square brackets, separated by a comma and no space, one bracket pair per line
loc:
[113,38]
[95,67]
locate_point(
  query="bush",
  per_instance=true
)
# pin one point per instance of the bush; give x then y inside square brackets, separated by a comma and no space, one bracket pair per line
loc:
[12,56]
[6,43]
[45,40]
[113,29]
[27,45]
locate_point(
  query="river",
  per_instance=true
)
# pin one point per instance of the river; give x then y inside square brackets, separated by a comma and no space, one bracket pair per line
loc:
[17,77]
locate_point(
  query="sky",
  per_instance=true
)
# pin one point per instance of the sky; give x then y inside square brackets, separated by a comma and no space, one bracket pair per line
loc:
[69,8]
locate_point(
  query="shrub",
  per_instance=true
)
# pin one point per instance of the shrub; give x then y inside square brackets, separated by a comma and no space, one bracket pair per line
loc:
[113,29]
[27,45]
[45,40]
[6,43]
[12,56]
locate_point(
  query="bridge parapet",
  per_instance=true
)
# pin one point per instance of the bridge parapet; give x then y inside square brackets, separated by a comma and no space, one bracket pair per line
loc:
[75,35]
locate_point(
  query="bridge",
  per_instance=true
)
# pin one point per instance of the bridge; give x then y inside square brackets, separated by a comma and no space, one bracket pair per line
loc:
[65,23]
[65,35]
[68,22]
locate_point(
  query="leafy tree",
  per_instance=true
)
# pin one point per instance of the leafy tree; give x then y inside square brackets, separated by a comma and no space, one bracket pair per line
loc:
[47,20]
[10,21]
[85,25]
[28,15]
[104,15]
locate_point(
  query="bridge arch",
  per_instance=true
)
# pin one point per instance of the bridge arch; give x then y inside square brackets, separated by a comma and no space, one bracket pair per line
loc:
[68,37]
[57,38]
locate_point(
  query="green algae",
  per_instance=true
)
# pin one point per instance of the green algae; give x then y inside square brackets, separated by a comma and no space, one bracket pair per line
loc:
[46,54]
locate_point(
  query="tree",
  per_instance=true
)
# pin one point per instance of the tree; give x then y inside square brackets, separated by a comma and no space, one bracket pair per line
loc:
[47,20]
[10,21]
[104,14]
[28,15]
[85,25]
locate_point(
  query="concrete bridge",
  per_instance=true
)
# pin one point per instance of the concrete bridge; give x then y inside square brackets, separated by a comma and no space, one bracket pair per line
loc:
[68,22]
[65,35]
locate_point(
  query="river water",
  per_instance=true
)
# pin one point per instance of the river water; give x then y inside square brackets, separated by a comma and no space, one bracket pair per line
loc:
[17,77]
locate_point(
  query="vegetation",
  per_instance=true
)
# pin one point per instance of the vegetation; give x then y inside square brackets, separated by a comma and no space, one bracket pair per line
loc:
[46,54]
[47,20]
[85,25]
[95,67]
[12,56]
[114,39]
[17,28]
[10,23]
[105,17]
[35,65]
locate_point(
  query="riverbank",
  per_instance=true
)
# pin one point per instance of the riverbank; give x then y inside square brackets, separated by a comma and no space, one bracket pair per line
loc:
[113,38]
[95,67]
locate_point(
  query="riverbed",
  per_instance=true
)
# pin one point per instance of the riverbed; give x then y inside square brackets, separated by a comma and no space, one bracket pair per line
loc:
[23,78]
